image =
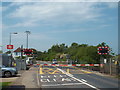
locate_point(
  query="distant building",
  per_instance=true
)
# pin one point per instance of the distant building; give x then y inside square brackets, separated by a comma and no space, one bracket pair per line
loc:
[17,53]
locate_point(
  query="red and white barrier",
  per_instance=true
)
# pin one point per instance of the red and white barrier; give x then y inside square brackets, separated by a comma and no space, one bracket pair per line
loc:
[70,64]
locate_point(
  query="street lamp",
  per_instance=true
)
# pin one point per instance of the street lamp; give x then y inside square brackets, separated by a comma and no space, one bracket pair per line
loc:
[27,33]
[10,37]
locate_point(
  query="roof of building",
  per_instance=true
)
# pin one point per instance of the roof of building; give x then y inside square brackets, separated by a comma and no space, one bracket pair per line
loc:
[18,50]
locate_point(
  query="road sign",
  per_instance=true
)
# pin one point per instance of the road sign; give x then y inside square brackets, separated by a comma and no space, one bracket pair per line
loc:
[10,46]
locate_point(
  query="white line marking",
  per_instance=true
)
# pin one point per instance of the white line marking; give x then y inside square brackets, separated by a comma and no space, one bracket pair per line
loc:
[70,75]
[61,76]
[83,80]
[48,80]
[42,76]
[54,76]
[62,84]
[54,80]
[66,79]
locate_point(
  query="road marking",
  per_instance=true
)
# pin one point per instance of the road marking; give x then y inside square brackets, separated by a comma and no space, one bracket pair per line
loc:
[41,70]
[55,76]
[45,76]
[38,80]
[55,80]
[43,80]
[62,84]
[86,71]
[54,71]
[70,75]
[68,70]
[66,79]
[61,76]
[84,80]
[48,80]
[49,71]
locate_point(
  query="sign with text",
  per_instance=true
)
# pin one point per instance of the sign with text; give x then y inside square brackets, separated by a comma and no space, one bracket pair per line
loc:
[9,46]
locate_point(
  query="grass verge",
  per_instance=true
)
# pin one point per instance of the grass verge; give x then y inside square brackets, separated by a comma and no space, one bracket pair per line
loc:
[4,84]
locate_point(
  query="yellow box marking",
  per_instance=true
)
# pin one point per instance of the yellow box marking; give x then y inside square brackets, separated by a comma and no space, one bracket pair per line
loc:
[56,71]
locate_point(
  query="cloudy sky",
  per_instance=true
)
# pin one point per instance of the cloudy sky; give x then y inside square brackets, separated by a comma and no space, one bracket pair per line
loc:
[60,22]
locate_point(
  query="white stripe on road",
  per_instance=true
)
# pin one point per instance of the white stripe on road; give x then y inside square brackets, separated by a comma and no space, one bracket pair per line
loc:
[83,80]
[70,75]
[62,84]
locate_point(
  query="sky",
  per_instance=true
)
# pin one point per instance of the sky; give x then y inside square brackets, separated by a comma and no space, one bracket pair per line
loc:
[53,23]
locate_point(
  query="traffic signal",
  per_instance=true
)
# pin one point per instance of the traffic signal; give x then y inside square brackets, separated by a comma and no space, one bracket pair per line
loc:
[28,51]
[103,50]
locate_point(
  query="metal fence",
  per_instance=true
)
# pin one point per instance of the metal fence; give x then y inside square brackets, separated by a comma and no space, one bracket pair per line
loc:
[6,60]
[108,68]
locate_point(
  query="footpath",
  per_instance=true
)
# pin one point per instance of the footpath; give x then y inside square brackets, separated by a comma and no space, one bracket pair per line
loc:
[27,80]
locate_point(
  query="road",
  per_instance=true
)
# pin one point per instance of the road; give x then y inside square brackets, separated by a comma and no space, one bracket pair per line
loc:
[73,78]
[41,77]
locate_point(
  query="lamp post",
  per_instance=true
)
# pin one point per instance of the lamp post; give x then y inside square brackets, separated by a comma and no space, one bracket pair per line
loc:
[10,37]
[27,33]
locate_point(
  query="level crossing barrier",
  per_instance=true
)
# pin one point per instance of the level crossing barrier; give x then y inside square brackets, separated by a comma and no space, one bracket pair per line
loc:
[70,64]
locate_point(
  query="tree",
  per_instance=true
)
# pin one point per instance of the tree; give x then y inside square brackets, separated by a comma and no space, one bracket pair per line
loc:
[1,51]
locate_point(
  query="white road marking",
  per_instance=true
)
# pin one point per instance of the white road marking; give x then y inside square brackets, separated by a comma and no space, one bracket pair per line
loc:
[42,80]
[83,80]
[70,75]
[66,79]
[54,76]
[42,76]
[54,80]
[62,84]
[61,76]
[48,80]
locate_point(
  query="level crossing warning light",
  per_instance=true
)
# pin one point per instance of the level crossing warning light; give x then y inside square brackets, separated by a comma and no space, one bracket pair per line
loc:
[103,50]
[28,51]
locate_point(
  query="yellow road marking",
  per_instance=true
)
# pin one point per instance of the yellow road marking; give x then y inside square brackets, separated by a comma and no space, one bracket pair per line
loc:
[51,71]
[41,70]
[54,72]
[87,72]
[68,70]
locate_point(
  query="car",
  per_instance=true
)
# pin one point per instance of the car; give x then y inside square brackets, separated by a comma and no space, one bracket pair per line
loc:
[8,71]
[54,61]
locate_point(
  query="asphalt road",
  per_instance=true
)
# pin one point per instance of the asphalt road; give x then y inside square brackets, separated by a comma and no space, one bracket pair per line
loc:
[72,78]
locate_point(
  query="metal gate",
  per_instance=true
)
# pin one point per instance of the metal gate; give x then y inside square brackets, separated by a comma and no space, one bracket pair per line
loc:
[21,64]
